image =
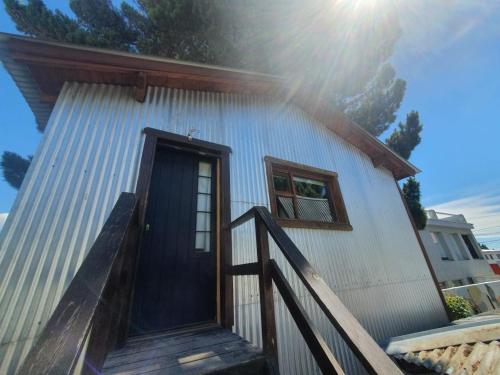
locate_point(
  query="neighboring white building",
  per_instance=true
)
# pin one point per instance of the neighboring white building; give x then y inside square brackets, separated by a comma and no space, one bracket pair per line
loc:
[453,250]
[493,258]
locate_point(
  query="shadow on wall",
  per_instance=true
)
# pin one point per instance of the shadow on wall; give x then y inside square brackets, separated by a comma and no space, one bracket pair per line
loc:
[483,296]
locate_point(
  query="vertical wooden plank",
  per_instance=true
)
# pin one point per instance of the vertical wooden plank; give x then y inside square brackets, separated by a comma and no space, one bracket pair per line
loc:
[270,346]
[226,246]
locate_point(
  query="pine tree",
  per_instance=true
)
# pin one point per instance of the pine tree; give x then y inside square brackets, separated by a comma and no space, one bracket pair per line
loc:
[14,168]
[407,136]
[483,246]
[411,192]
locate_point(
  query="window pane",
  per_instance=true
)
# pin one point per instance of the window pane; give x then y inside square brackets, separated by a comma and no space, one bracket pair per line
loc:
[204,202]
[205,169]
[204,185]
[202,242]
[281,182]
[285,208]
[317,209]
[309,188]
[202,221]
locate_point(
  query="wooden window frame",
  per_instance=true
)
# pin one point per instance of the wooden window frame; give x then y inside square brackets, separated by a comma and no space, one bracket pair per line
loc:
[335,198]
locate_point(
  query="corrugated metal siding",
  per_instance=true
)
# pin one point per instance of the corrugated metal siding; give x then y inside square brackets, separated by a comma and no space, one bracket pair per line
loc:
[90,153]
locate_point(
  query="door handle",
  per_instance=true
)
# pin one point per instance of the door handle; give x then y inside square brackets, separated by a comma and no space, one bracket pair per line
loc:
[147,227]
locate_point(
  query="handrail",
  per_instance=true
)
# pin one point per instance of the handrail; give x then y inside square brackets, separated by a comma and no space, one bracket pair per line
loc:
[94,307]
[360,342]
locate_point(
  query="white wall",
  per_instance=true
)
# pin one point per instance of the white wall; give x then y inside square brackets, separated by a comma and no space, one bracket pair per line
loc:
[457,268]
[90,153]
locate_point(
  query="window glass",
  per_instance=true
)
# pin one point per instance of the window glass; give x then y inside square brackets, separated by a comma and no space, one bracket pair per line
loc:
[305,197]
[204,208]
[280,182]
[470,246]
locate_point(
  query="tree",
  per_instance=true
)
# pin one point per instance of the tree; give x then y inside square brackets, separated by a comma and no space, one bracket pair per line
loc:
[14,168]
[483,246]
[313,43]
[411,192]
[407,136]
[375,109]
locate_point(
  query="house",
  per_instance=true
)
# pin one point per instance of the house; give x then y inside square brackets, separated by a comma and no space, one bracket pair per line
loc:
[135,217]
[453,250]
[493,258]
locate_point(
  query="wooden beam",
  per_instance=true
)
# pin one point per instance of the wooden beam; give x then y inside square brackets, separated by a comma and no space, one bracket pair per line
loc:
[244,269]
[141,87]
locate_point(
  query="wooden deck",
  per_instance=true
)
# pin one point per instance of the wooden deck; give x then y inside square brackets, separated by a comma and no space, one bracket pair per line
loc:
[201,351]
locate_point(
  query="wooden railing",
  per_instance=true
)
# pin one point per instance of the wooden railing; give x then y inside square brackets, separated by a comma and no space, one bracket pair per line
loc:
[359,341]
[94,309]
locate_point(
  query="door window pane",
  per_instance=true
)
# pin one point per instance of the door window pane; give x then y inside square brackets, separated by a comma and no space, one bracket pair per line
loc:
[203,233]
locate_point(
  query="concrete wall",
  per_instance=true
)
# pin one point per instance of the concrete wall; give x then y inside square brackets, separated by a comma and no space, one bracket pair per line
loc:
[456,268]
[90,153]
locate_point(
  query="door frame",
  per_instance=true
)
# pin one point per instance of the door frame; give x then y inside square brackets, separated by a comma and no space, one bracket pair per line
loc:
[155,138]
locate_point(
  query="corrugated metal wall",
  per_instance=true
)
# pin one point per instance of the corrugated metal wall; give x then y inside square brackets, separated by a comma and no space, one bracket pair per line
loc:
[90,153]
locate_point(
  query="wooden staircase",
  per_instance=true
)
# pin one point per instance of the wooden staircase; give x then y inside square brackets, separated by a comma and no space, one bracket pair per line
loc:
[88,330]
[205,350]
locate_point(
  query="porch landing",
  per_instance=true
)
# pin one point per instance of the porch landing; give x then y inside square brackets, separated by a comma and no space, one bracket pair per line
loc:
[205,350]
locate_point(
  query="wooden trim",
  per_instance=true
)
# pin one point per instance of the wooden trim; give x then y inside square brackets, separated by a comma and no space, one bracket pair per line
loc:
[424,253]
[157,138]
[330,178]
[245,269]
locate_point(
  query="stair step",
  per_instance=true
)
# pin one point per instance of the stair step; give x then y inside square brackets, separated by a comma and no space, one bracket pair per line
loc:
[211,350]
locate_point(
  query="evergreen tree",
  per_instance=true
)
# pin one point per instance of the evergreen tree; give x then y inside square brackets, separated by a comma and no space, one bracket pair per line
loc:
[14,168]
[407,136]
[375,110]
[411,192]
[483,246]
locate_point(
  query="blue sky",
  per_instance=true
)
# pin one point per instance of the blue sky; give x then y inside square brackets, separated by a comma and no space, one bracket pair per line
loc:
[449,55]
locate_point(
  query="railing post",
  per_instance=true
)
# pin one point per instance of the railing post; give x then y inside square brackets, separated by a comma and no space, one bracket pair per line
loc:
[269,341]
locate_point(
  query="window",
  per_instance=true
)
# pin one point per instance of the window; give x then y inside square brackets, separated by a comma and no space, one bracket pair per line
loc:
[461,249]
[305,197]
[470,246]
[203,235]
[444,250]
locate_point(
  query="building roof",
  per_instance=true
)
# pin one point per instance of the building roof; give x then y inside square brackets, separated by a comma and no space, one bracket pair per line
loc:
[470,346]
[40,69]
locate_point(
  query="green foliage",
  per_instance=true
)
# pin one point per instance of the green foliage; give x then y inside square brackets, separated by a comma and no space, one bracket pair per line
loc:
[459,307]
[14,168]
[404,139]
[375,109]
[411,193]
[483,246]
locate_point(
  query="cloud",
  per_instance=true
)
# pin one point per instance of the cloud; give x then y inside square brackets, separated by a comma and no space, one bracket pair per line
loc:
[482,210]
